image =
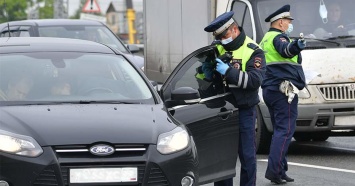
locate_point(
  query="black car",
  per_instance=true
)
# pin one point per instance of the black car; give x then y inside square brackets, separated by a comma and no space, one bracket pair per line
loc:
[71,28]
[76,112]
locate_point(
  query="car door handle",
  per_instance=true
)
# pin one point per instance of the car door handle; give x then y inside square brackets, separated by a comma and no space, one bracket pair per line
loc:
[225,114]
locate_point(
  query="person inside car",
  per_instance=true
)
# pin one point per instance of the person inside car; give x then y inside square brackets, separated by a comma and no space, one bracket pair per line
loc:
[17,89]
[61,88]
[335,23]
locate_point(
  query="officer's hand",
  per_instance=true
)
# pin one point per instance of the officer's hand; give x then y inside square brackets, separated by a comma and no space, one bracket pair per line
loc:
[301,44]
[207,70]
[221,67]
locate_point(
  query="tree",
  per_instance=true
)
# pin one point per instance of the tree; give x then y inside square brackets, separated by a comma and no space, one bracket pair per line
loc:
[46,12]
[12,10]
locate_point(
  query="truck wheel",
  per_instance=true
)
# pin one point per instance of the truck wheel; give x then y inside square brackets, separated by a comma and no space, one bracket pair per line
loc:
[262,135]
[321,136]
[302,136]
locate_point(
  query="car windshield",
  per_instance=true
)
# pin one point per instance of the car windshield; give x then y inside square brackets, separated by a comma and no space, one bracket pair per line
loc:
[68,77]
[100,34]
[314,18]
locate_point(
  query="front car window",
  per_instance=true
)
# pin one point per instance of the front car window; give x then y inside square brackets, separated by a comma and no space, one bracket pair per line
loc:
[16,31]
[192,75]
[99,34]
[340,19]
[57,77]
[242,17]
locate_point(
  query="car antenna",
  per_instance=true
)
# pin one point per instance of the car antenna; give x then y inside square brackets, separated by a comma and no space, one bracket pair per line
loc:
[227,5]
[7,16]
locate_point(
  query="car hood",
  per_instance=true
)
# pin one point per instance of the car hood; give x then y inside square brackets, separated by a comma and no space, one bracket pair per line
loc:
[331,65]
[87,124]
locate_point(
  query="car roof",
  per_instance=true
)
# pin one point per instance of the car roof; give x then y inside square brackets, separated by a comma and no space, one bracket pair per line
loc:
[48,44]
[54,22]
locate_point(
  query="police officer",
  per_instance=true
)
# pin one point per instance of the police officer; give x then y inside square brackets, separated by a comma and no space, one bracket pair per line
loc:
[244,75]
[284,77]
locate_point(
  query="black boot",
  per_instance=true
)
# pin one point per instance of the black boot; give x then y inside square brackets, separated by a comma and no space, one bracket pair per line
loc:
[288,179]
[275,180]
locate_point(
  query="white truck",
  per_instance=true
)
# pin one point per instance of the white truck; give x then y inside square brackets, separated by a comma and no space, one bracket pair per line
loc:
[173,29]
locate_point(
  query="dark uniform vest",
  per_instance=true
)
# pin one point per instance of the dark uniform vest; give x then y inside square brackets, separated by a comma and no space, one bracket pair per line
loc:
[279,68]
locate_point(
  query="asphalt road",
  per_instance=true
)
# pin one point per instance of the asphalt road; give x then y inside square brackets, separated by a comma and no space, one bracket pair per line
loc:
[329,163]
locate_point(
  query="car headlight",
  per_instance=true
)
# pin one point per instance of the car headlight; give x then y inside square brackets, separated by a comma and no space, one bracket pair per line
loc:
[304,93]
[173,141]
[19,144]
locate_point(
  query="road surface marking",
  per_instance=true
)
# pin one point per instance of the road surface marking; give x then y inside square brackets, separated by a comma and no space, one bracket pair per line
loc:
[316,166]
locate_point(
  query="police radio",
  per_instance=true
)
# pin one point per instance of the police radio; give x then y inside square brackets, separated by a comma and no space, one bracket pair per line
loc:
[226,57]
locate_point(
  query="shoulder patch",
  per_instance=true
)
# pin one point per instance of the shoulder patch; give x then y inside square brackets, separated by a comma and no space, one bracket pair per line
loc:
[252,46]
[283,39]
[257,62]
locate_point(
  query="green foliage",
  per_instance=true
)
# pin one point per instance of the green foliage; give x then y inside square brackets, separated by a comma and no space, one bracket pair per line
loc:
[14,10]
[46,12]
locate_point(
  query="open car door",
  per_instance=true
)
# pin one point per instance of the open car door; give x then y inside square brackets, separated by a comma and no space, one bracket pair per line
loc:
[206,108]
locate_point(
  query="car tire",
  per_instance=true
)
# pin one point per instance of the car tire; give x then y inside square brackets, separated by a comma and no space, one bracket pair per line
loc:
[262,135]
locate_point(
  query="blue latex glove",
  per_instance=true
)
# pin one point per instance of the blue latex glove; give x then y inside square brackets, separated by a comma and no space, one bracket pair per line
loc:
[301,43]
[207,70]
[221,66]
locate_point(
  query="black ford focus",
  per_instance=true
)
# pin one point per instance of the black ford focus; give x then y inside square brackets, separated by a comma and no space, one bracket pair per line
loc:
[75,112]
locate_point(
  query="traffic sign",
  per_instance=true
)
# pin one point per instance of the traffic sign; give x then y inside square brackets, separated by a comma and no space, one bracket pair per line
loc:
[91,6]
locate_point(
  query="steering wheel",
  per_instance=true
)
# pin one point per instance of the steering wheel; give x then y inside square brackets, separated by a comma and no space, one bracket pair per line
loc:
[98,90]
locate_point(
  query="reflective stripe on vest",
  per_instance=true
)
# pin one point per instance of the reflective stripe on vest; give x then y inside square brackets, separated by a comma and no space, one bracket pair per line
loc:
[244,52]
[271,55]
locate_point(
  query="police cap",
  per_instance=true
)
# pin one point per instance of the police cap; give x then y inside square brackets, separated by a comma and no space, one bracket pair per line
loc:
[221,23]
[282,13]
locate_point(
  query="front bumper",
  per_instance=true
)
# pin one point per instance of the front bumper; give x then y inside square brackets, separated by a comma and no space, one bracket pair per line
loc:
[320,117]
[52,168]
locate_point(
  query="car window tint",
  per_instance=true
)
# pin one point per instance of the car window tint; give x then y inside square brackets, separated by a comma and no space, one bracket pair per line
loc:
[66,76]
[191,75]
[24,33]
[16,31]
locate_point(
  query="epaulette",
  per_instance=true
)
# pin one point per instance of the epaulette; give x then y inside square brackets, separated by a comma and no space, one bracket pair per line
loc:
[253,46]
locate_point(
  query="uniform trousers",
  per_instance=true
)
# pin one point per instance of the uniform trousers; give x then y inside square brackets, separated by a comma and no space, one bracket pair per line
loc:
[283,117]
[247,149]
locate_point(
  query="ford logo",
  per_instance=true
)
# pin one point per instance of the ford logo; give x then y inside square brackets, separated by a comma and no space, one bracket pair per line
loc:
[102,150]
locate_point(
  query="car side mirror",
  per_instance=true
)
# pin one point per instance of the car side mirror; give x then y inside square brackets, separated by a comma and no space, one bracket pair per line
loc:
[133,48]
[184,96]
[155,85]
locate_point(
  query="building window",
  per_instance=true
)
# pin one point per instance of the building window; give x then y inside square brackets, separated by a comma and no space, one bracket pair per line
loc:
[113,19]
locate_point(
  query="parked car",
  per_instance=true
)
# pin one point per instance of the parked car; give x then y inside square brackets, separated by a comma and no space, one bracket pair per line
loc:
[71,28]
[76,112]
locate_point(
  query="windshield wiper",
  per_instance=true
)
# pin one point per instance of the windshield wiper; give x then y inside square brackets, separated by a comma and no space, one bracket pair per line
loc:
[341,37]
[106,101]
[322,40]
